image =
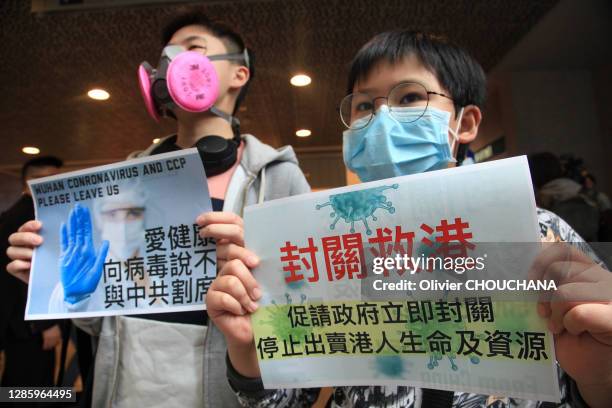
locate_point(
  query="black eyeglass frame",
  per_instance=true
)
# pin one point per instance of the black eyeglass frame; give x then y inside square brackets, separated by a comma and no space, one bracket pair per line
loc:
[401,84]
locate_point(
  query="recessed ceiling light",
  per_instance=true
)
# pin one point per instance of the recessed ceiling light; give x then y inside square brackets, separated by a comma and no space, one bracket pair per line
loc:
[156,140]
[98,94]
[303,133]
[300,80]
[30,150]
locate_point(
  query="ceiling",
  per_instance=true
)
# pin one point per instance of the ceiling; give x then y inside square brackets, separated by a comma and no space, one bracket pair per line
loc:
[575,35]
[49,61]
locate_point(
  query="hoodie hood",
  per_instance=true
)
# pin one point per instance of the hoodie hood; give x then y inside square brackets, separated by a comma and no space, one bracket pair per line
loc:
[258,155]
[255,158]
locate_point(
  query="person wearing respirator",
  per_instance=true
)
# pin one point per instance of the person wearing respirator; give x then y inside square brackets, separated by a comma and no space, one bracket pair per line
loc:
[200,80]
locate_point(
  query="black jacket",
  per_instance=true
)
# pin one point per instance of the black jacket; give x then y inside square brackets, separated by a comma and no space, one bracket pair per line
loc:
[13,292]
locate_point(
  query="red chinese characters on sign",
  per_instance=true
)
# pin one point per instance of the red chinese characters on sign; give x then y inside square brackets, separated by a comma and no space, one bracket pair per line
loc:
[453,240]
[390,244]
[294,259]
[344,254]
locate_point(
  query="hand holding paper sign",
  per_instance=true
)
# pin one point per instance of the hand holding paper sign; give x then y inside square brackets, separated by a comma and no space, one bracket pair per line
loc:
[232,295]
[579,313]
[227,229]
[137,252]
[22,247]
[80,268]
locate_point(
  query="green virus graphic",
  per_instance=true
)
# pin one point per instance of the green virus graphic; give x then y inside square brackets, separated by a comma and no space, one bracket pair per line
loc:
[281,326]
[434,332]
[391,366]
[358,206]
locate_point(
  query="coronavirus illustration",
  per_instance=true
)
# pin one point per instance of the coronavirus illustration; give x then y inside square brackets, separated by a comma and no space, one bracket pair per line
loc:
[359,206]
[427,334]
[277,319]
[391,366]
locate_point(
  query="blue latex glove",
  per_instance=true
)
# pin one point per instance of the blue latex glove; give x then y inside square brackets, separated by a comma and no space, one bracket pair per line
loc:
[80,268]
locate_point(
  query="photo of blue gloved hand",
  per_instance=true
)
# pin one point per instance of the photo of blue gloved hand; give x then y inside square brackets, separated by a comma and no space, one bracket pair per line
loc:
[80,268]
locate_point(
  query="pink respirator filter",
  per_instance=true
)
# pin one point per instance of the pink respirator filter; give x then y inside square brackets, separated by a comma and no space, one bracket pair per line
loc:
[192,82]
[144,81]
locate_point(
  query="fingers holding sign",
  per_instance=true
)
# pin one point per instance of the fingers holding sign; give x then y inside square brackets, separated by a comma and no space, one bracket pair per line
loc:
[222,225]
[579,313]
[231,298]
[227,229]
[21,249]
[234,293]
[577,277]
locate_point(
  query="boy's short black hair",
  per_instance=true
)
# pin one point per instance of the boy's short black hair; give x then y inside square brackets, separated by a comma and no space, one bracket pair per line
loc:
[44,161]
[456,70]
[230,38]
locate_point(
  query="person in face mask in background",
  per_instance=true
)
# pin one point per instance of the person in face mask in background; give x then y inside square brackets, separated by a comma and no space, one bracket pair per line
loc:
[412,99]
[177,359]
[120,220]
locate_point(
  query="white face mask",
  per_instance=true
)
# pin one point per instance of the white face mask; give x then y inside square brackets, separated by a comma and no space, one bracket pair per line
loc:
[125,238]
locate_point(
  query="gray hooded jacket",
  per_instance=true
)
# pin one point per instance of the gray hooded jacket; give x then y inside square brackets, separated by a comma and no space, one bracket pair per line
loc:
[146,363]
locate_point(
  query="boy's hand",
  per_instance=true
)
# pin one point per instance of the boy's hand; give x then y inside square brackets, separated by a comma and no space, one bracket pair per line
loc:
[22,247]
[227,229]
[229,301]
[579,314]
[232,296]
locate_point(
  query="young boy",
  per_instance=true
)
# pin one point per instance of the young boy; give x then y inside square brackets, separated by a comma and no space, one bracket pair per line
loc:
[177,359]
[406,87]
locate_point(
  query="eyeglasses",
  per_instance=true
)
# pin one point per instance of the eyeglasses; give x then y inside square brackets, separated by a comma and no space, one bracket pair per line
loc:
[358,105]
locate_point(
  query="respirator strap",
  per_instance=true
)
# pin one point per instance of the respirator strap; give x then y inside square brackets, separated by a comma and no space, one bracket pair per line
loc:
[234,122]
[236,56]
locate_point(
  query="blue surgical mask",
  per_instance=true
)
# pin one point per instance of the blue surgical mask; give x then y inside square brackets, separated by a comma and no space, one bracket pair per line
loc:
[389,147]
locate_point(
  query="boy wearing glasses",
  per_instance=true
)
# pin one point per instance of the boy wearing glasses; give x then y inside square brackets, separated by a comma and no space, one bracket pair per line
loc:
[413,98]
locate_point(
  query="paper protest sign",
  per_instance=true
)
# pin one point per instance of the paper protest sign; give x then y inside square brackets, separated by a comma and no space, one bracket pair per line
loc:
[418,280]
[122,239]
